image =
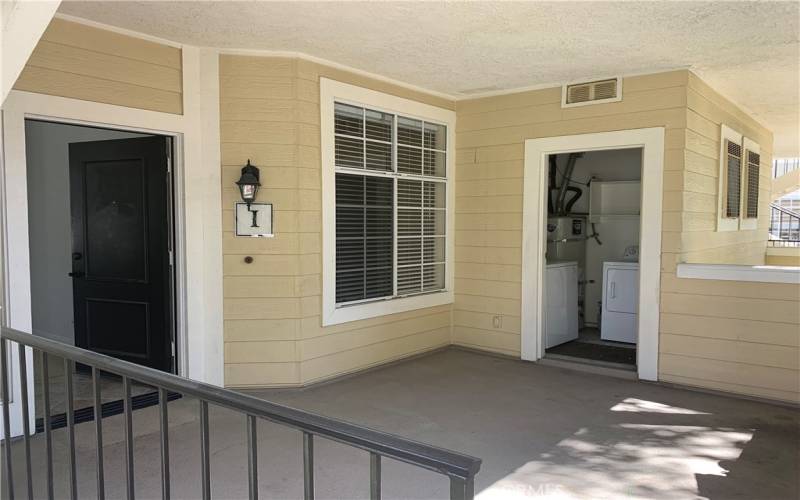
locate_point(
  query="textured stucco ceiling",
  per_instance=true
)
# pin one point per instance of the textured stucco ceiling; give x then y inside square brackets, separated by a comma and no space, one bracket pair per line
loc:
[747,51]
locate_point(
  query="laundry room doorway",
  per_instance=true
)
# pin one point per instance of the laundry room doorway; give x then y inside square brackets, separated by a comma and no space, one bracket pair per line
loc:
[591,249]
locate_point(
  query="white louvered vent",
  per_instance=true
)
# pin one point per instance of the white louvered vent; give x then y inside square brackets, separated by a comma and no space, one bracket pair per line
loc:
[579,94]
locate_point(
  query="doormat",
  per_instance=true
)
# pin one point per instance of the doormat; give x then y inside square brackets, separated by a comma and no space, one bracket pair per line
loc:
[108,409]
[611,354]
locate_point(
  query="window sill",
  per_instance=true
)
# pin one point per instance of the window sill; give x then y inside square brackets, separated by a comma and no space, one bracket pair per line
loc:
[728,272]
[345,314]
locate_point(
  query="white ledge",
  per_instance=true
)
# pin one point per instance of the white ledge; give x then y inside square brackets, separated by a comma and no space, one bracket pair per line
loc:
[728,272]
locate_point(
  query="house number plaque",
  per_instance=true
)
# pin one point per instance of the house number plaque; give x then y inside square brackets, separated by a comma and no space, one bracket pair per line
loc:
[254,221]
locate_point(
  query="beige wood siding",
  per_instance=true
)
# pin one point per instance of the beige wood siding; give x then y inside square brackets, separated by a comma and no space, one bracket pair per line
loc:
[738,337]
[489,182]
[83,62]
[700,242]
[741,337]
[273,334]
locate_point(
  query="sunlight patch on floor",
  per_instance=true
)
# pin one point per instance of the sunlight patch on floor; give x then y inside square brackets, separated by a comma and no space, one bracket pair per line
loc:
[626,460]
[641,406]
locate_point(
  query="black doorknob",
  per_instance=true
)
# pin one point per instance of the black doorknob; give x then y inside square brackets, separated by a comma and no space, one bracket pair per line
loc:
[77,256]
[77,274]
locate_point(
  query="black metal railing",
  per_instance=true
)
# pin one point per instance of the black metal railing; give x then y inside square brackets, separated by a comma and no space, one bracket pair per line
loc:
[459,468]
[784,227]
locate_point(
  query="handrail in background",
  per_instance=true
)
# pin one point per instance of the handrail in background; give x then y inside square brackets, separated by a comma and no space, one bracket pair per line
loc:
[784,227]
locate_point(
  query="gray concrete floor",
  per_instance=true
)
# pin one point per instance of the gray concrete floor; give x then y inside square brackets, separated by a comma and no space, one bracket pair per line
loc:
[541,432]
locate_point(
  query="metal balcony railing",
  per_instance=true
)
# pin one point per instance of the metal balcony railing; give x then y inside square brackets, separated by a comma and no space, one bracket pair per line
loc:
[784,227]
[459,468]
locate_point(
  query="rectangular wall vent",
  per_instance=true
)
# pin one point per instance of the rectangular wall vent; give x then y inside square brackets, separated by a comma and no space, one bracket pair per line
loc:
[600,91]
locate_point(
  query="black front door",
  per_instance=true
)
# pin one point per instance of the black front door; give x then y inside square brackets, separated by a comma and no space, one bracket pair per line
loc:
[119,195]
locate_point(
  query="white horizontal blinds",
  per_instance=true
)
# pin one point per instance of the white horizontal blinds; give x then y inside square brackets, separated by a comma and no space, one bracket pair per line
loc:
[421,147]
[420,236]
[751,195]
[363,138]
[733,175]
[434,146]
[366,230]
[364,206]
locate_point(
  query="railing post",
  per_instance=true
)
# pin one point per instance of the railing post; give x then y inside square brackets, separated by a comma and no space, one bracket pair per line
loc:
[129,469]
[461,488]
[6,420]
[374,476]
[252,456]
[98,431]
[70,407]
[26,425]
[205,465]
[164,426]
[48,432]
[308,466]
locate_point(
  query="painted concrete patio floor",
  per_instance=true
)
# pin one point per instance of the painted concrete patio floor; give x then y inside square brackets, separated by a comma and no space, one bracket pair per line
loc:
[542,432]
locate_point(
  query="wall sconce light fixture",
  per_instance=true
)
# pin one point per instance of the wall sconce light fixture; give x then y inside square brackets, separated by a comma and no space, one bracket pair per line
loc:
[249,183]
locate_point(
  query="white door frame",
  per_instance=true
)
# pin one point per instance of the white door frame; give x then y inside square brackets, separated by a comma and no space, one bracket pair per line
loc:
[651,140]
[198,210]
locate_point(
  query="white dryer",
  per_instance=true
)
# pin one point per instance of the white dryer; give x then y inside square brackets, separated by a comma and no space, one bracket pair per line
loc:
[620,316]
[561,303]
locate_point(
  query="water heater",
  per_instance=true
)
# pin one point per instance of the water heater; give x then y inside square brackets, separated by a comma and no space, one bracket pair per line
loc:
[566,228]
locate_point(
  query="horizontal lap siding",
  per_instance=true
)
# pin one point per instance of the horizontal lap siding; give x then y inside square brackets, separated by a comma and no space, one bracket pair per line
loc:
[332,351]
[260,121]
[700,242]
[489,173]
[740,337]
[273,332]
[732,336]
[81,62]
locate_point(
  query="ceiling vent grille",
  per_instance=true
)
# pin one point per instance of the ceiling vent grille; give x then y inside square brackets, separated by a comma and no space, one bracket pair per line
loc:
[600,91]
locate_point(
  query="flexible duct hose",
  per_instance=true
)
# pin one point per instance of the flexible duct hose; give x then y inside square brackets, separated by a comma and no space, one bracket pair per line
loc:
[578,193]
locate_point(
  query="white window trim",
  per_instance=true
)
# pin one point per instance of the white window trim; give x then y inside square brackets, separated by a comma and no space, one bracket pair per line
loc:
[726,223]
[745,222]
[330,91]
[729,272]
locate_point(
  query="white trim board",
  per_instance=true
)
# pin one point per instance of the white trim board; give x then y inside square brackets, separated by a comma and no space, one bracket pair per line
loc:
[331,90]
[651,140]
[198,204]
[729,272]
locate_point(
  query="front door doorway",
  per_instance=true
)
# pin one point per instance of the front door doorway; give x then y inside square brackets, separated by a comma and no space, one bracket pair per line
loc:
[120,207]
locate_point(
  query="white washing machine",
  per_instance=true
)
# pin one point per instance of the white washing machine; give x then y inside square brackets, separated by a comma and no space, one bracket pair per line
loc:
[620,315]
[561,302]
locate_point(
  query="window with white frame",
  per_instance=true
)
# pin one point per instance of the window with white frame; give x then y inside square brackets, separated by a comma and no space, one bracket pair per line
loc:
[386,192]
[738,181]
